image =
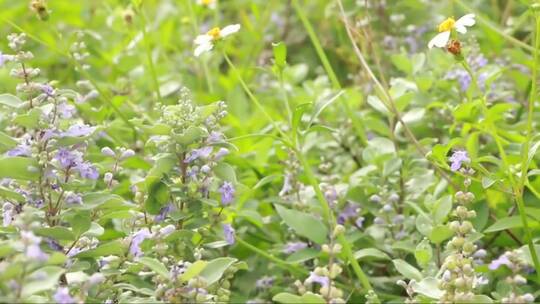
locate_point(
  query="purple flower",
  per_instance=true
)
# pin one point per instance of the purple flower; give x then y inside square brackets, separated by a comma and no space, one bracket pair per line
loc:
[78,130]
[229,233]
[227,193]
[62,296]
[73,199]
[47,89]
[264,282]
[359,222]
[350,211]
[67,158]
[287,185]
[457,158]
[222,152]
[137,239]
[66,110]
[22,149]
[163,212]
[53,244]
[214,137]
[87,170]
[315,278]
[33,251]
[198,153]
[502,260]
[292,247]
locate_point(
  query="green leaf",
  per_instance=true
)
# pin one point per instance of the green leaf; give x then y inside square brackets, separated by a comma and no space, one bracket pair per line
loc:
[155,265]
[303,255]
[6,142]
[505,223]
[80,223]
[304,224]
[428,287]
[280,54]
[191,135]
[193,270]
[22,168]
[373,253]
[423,253]
[12,195]
[10,100]
[48,275]
[308,297]
[442,208]
[285,297]
[158,196]
[225,172]
[407,270]
[28,120]
[58,233]
[110,248]
[440,233]
[215,269]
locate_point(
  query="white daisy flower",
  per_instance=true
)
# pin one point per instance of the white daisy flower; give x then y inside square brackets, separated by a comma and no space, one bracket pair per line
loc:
[446,27]
[208,3]
[206,42]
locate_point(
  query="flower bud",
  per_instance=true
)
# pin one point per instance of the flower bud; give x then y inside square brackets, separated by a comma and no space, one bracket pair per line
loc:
[108,152]
[339,229]
[127,154]
[107,177]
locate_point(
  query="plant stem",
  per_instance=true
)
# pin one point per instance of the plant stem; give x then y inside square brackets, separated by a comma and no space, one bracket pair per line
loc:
[388,101]
[327,215]
[253,98]
[148,51]
[357,124]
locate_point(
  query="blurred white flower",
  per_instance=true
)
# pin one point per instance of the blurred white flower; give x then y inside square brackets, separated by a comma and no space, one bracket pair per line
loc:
[446,27]
[206,42]
[208,3]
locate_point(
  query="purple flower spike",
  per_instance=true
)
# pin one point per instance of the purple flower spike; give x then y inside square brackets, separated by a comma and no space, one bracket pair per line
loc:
[67,158]
[227,193]
[458,158]
[229,233]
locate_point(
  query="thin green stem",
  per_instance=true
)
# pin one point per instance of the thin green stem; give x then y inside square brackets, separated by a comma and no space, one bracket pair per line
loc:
[517,188]
[148,51]
[285,97]
[281,263]
[328,216]
[204,64]
[357,124]
[387,99]
[253,98]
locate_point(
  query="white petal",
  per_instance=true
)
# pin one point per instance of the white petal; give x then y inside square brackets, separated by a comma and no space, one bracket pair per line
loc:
[460,29]
[440,40]
[203,39]
[229,29]
[202,48]
[467,20]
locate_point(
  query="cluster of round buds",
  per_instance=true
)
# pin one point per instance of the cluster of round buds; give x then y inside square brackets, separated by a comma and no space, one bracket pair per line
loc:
[79,51]
[458,276]
[514,261]
[389,214]
[120,155]
[323,276]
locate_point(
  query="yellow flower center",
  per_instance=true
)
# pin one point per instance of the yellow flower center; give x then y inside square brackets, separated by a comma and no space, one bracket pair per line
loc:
[447,25]
[208,2]
[215,33]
